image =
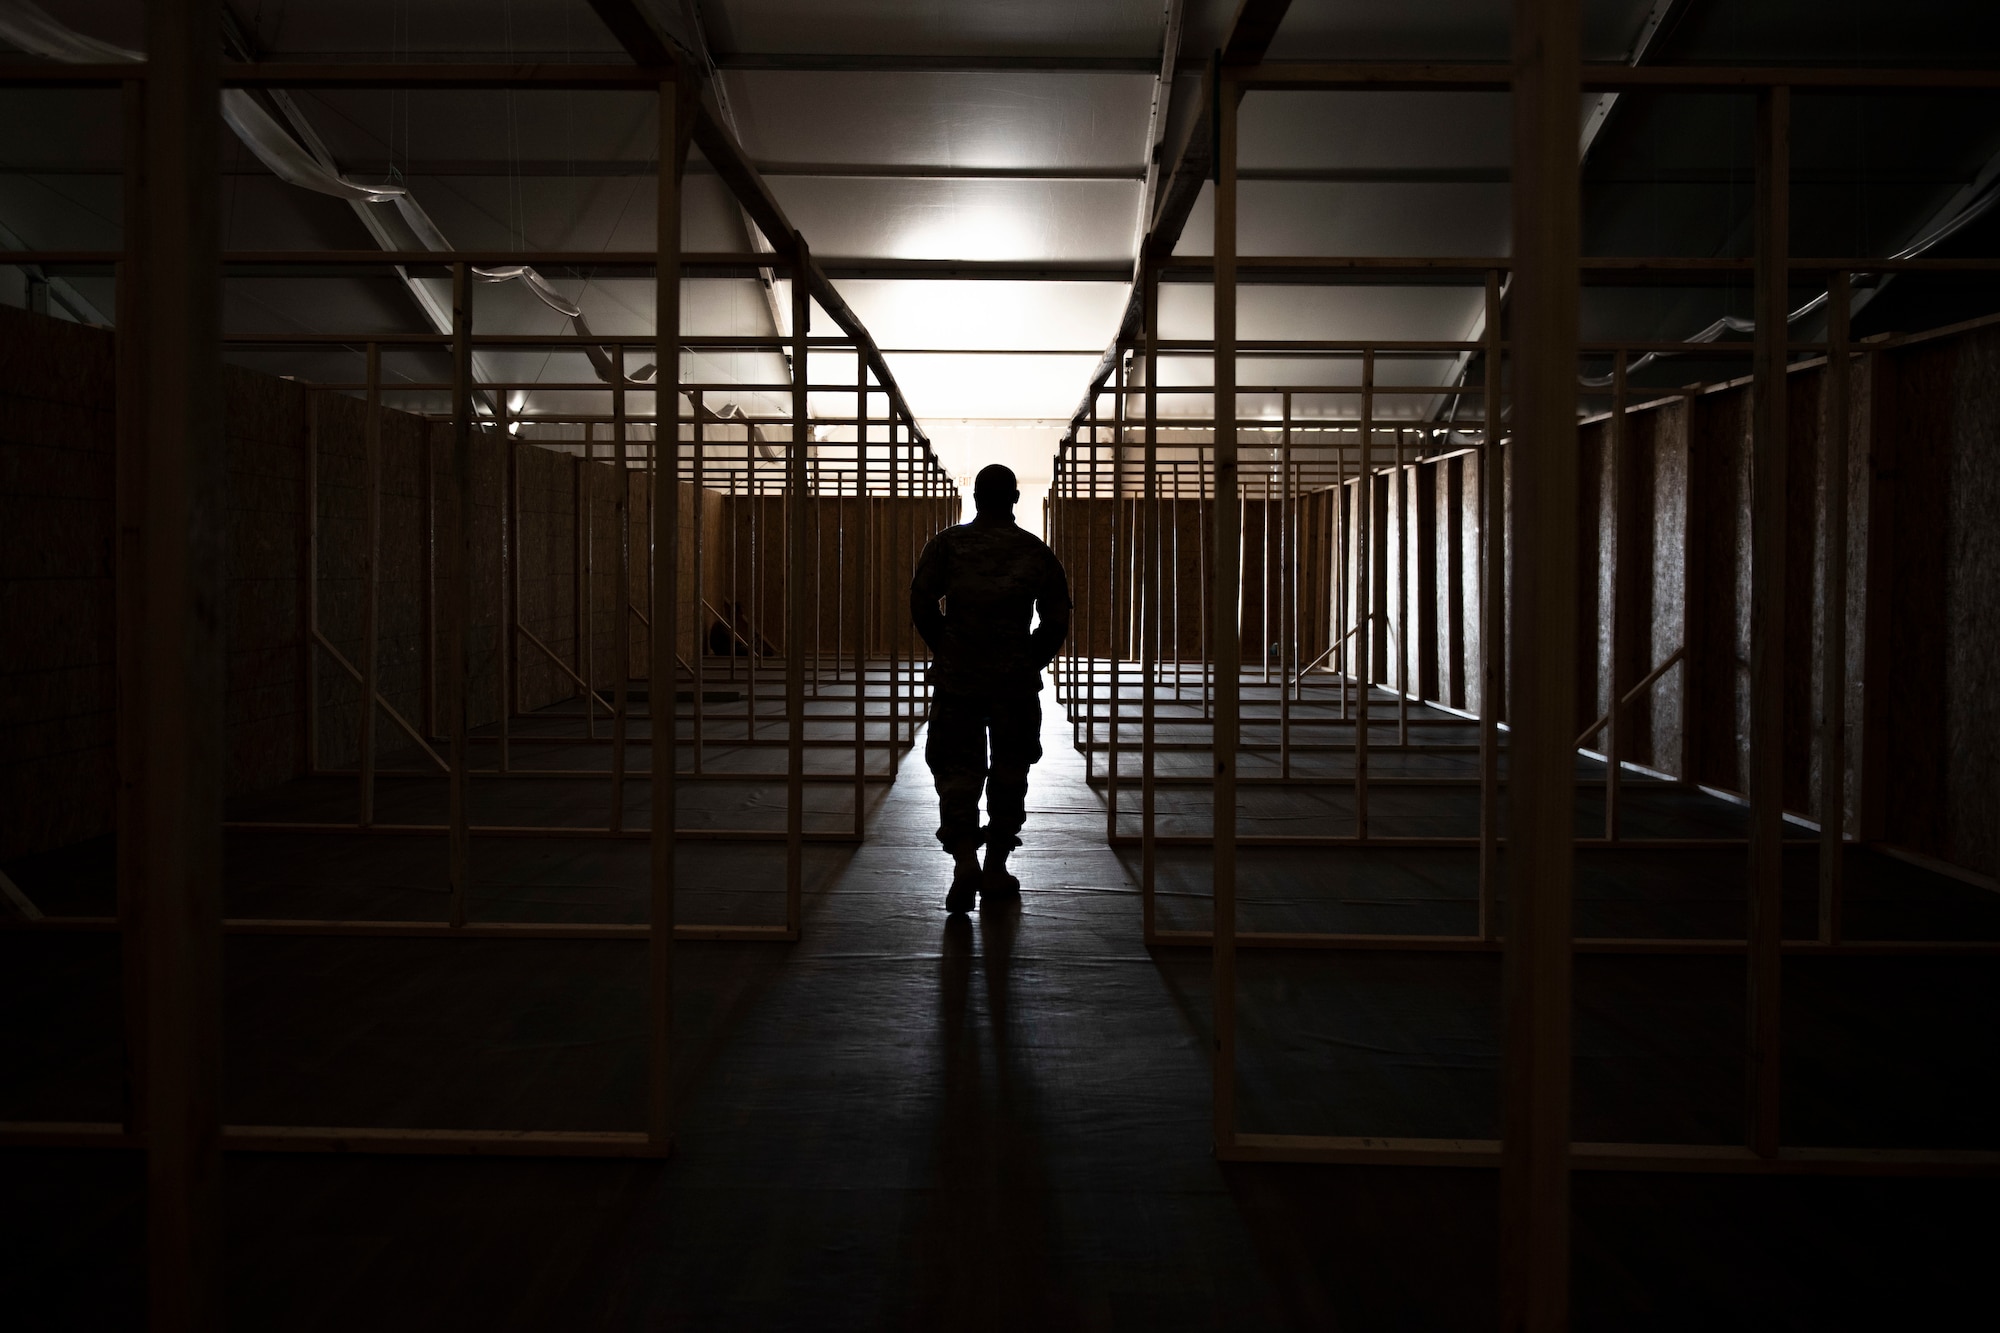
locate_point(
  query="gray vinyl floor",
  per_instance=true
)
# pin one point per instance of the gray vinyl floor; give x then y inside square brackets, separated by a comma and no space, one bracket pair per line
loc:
[1000,1121]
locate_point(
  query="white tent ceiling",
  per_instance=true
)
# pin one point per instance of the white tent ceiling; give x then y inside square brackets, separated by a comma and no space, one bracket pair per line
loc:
[881,144]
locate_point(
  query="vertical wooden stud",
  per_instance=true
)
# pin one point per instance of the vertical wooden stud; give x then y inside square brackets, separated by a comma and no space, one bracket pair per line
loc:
[698,428]
[1767,613]
[1492,619]
[1149,614]
[1116,619]
[1833,616]
[458,590]
[1224,637]
[1615,567]
[621,573]
[797,585]
[863,537]
[676,108]
[371,580]
[1535,1074]
[1365,615]
[179,671]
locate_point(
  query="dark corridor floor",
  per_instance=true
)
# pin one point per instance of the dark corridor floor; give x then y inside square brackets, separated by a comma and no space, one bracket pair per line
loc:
[996,1123]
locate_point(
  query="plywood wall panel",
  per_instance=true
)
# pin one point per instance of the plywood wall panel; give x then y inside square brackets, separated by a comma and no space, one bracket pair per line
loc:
[57,655]
[1938,405]
[264,627]
[547,484]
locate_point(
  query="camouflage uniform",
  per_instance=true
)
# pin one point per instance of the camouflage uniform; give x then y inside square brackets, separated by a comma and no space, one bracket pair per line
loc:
[986,670]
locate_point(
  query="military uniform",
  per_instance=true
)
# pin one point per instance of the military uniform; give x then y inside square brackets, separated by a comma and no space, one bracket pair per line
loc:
[986,670]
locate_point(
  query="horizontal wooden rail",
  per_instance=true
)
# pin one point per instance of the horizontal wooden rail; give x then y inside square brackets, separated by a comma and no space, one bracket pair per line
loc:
[1603,76]
[354,1139]
[1691,1158]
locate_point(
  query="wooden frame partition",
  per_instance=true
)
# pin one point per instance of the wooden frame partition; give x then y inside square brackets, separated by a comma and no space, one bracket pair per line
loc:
[1539,353]
[914,493]
[169,432]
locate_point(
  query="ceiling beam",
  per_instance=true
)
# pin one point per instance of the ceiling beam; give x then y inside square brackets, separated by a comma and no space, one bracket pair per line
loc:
[797,62]
[620,168]
[648,46]
[1250,34]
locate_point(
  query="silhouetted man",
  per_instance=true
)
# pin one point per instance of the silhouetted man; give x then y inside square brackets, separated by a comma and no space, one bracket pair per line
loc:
[976,591]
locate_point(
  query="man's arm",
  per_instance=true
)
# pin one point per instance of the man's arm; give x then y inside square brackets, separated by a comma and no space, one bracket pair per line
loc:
[926,588]
[1052,605]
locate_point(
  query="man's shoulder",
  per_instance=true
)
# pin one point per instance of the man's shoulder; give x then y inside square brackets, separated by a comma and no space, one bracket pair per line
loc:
[1009,536]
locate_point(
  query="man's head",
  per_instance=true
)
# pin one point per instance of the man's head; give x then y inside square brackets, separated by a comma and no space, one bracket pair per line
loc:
[994,490]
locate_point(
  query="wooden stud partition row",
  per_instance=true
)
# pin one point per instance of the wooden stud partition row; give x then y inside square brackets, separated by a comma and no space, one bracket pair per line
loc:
[169,590]
[898,476]
[1536,611]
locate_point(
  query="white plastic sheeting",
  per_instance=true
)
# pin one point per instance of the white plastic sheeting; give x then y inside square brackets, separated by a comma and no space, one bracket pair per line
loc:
[28,27]
[25,25]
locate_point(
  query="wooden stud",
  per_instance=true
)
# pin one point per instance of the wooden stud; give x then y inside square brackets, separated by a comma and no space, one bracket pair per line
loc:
[1204,565]
[1170,557]
[458,591]
[1492,620]
[371,581]
[862,538]
[893,626]
[179,671]
[676,110]
[818,558]
[1224,637]
[1116,618]
[1364,593]
[427,594]
[621,573]
[1287,591]
[732,605]
[795,597]
[699,429]
[507,617]
[1088,511]
[757,568]
[1149,613]
[1405,474]
[311,618]
[579,473]
[1616,446]
[1767,615]
[1833,617]
[129,575]
[1535,986]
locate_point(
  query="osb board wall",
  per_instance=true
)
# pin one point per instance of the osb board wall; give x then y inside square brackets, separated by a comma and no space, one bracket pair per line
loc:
[485,539]
[548,483]
[264,639]
[1711,492]
[1935,661]
[57,525]
[57,654]
[568,549]
[1315,574]
[688,622]
[746,571]
[1084,531]
[1423,578]
[1672,543]
[337,431]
